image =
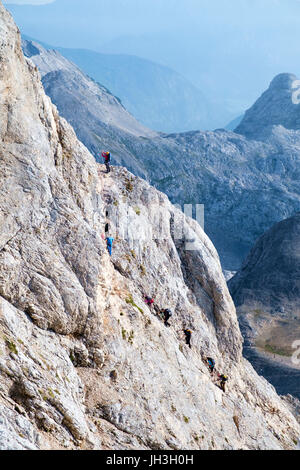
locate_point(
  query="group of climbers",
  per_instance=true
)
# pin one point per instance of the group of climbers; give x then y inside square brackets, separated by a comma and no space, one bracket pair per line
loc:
[222,378]
[188,335]
[166,313]
[109,240]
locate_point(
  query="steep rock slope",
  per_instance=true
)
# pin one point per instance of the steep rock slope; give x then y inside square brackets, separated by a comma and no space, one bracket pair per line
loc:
[279,105]
[232,176]
[84,363]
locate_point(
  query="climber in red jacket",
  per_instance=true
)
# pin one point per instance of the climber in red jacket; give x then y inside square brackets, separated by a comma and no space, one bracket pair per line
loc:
[149,301]
[106,156]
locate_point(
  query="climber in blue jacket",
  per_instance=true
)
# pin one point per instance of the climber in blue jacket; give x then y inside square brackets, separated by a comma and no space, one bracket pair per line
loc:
[109,243]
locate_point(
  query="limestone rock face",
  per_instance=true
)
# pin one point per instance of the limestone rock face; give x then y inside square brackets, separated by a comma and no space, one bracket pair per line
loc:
[84,363]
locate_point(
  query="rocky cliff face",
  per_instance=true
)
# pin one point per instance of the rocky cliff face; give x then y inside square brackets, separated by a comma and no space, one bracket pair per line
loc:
[271,273]
[266,292]
[84,363]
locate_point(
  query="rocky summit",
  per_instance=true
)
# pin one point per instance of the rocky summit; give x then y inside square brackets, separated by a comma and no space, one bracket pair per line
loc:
[279,105]
[84,362]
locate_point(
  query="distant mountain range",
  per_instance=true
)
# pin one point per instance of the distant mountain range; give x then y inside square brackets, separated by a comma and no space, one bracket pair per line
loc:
[156,95]
[99,118]
[246,185]
[217,46]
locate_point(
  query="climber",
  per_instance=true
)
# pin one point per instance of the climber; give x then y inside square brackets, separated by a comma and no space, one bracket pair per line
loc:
[188,335]
[211,364]
[166,313]
[149,301]
[106,156]
[109,243]
[223,378]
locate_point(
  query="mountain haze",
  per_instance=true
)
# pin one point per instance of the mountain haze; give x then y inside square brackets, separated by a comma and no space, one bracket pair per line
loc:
[159,97]
[217,46]
[233,176]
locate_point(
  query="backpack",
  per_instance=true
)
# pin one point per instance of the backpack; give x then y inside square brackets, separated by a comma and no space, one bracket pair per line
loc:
[168,312]
[106,156]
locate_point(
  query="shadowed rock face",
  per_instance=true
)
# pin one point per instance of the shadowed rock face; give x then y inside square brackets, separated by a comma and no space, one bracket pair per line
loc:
[279,105]
[266,292]
[84,363]
[271,273]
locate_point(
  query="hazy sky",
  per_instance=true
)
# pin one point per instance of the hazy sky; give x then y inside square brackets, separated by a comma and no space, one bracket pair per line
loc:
[231,49]
[28,2]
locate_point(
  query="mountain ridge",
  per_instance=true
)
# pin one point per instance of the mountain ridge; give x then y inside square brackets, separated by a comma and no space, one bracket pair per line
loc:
[140,82]
[233,176]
